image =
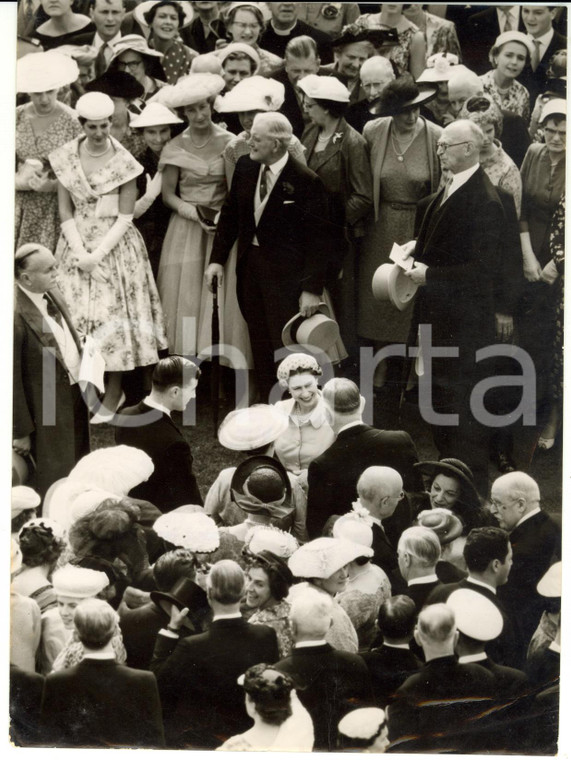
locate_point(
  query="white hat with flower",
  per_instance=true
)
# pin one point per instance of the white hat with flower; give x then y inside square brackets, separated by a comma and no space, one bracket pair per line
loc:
[195,531]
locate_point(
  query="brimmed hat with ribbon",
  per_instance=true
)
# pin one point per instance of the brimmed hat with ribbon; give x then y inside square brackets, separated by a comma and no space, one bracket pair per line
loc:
[324,88]
[443,522]
[390,283]
[322,557]
[40,72]
[451,467]
[155,115]
[252,94]
[138,44]
[252,428]
[195,531]
[260,485]
[184,593]
[475,615]
[439,67]
[116,84]
[316,332]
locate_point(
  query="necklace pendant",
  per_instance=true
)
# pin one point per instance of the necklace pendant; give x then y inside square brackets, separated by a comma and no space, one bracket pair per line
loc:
[400,158]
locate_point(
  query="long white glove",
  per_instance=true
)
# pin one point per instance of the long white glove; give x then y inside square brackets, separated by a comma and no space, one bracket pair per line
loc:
[549,273]
[152,192]
[531,266]
[186,210]
[113,236]
[71,234]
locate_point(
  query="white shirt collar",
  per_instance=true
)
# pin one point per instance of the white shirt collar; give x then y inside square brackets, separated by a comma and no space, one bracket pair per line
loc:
[283,32]
[376,521]
[533,512]
[513,13]
[461,178]
[155,405]
[544,40]
[472,658]
[350,425]
[555,647]
[304,644]
[396,646]
[278,165]
[481,583]
[99,656]
[36,298]
[227,616]
[423,579]
[98,42]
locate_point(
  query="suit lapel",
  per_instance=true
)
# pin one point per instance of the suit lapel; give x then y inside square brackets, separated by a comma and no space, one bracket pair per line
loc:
[57,298]
[332,148]
[35,321]
[276,198]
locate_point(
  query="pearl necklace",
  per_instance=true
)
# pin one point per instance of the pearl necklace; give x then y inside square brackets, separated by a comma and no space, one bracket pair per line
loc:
[204,144]
[97,155]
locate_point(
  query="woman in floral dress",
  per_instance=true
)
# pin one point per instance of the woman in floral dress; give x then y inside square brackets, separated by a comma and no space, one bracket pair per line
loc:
[42,125]
[104,270]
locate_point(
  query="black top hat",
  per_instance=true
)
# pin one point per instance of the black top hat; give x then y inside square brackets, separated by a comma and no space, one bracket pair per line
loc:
[184,593]
[117,84]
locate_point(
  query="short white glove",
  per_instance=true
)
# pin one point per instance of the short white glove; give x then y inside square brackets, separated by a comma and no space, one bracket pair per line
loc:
[549,273]
[71,234]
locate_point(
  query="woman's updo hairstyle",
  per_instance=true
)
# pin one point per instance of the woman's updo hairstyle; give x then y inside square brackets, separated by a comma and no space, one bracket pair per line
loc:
[297,364]
[39,545]
[482,110]
[270,692]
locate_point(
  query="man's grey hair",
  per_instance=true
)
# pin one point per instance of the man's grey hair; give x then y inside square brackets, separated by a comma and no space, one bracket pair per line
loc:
[277,125]
[376,482]
[380,63]
[471,130]
[422,543]
[519,485]
[311,612]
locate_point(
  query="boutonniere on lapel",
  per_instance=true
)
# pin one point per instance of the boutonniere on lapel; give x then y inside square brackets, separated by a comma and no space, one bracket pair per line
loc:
[287,189]
[337,136]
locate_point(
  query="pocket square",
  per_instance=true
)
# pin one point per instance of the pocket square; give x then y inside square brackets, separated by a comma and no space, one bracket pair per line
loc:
[287,203]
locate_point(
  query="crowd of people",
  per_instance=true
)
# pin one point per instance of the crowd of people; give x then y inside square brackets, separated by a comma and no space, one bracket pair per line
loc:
[352,209]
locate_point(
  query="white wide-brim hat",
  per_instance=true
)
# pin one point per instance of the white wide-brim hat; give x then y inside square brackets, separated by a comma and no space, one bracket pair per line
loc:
[318,331]
[195,531]
[23,498]
[391,284]
[475,615]
[155,115]
[252,428]
[324,88]
[40,72]
[550,583]
[322,557]
[252,94]
[140,11]
[189,90]
[441,68]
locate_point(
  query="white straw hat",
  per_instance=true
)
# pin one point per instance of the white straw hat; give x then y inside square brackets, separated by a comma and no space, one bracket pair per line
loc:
[190,89]
[40,72]
[78,582]
[190,530]
[324,556]
[155,115]
[324,88]
[253,94]
[251,428]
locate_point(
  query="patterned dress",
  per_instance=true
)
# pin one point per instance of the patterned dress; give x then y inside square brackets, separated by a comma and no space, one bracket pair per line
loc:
[277,617]
[124,314]
[176,61]
[398,54]
[36,214]
[514,99]
[557,245]
[362,599]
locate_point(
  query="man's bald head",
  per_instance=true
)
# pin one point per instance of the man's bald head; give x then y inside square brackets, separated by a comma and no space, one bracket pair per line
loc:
[462,85]
[459,146]
[513,496]
[436,623]
[377,482]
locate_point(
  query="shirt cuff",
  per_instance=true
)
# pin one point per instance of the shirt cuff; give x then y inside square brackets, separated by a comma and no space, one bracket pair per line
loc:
[169,634]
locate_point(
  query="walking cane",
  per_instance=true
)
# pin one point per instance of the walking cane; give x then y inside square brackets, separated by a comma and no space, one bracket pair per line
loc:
[215,358]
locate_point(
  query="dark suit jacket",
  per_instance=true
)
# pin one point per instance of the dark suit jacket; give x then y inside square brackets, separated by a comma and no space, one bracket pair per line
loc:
[61,437]
[480,34]
[276,43]
[329,683]
[420,593]
[333,476]
[389,668]
[291,108]
[515,137]
[536,544]
[436,708]
[172,483]
[193,35]
[385,556]
[502,649]
[99,703]
[460,243]
[25,701]
[292,229]
[536,81]
[510,682]
[203,705]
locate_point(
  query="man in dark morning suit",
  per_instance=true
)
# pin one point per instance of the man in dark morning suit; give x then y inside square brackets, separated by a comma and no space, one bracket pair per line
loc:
[393,662]
[458,243]
[148,426]
[488,556]
[285,26]
[538,21]
[333,476]
[301,59]
[203,705]
[25,701]
[418,552]
[481,30]
[329,682]
[50,416]
[440,707]
[99,703]
[536,542]
[277,211]
[380,491]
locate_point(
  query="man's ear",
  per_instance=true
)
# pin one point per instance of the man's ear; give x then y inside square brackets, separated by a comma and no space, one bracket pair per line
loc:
[362,404]
[416,636]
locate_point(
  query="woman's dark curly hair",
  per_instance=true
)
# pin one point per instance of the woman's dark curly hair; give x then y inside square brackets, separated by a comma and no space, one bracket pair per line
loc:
[279,575]
[150,14]
[40,546]
[270,692]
